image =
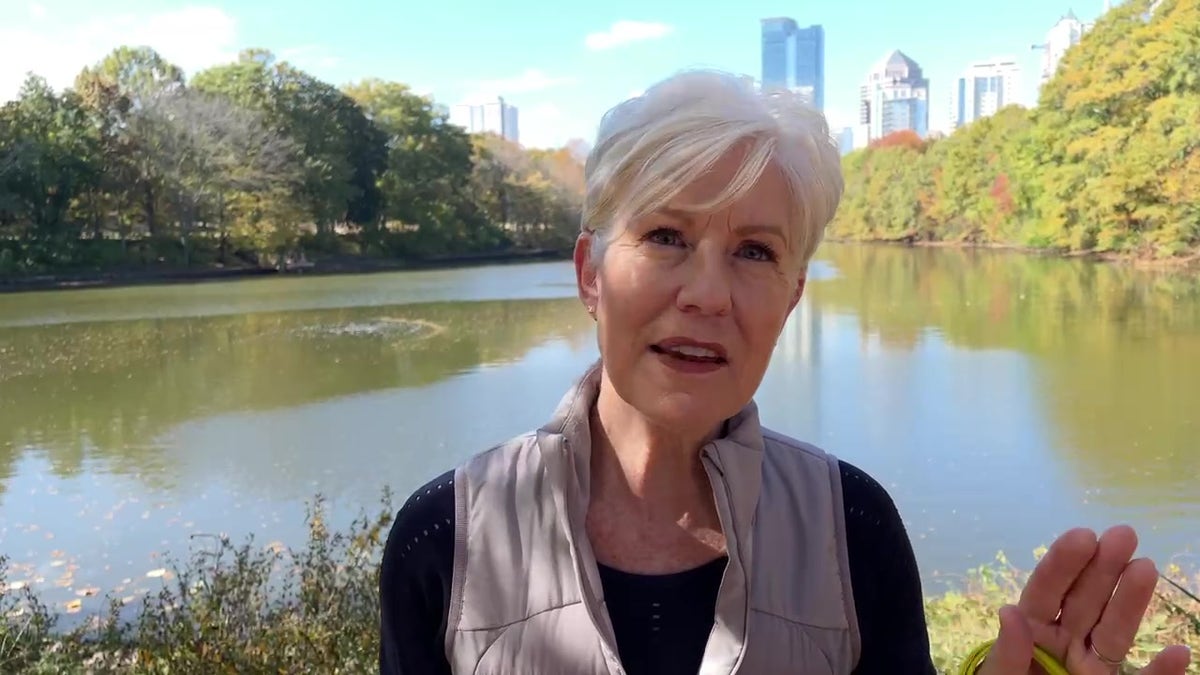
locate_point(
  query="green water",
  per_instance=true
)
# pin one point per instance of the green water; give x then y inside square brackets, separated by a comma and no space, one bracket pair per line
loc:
[1000,399]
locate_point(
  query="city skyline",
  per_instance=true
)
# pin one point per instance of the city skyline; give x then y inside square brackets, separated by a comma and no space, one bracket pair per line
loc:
[985,87]
[793,58]
[491,114]
[562,71]
[894,97]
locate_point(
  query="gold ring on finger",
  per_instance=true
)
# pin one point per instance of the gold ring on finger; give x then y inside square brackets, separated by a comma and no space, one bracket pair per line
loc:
[1103,659]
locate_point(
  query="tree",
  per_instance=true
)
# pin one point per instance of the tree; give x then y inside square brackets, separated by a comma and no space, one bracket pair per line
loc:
[46,163]
[1108,161]
[426,182]
[209,152]
[341,155]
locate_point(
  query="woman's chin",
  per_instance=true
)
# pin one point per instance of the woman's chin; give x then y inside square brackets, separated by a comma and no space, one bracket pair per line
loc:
[686,413]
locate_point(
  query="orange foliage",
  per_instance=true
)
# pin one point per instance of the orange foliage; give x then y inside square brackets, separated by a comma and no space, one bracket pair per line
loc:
[905,138]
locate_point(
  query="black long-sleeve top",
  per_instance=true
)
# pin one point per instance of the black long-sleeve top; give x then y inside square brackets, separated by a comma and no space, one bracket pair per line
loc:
[662,622]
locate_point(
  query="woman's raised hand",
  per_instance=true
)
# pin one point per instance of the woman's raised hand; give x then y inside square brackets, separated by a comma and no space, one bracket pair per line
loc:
[1083,604]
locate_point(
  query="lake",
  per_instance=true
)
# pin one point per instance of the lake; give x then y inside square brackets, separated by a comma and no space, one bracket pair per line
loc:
[1000,398]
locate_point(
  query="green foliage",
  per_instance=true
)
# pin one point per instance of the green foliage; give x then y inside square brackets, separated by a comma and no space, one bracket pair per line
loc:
[250,161]
[253,608]
[231,609]
[1107,163]
[960,620]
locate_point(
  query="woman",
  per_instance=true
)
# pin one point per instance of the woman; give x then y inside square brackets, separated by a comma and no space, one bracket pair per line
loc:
[652,526]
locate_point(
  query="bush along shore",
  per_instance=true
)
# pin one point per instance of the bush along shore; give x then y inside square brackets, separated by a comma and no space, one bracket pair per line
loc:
[246,608]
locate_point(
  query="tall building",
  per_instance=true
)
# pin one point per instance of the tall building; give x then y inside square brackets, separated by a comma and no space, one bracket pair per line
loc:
[984,88]
[845,140]
[894,97]
[490,116]
[793,58]
[1064,35]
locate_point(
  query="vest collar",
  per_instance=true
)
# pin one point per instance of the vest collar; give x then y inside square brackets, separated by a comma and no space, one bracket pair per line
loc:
[733,462]
[736,453]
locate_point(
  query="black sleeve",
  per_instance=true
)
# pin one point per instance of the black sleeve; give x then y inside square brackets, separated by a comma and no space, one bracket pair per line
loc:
[887,585]
[414,582]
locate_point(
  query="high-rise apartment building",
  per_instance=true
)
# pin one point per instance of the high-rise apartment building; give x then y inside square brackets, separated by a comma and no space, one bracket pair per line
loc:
[984,88]
[1065,34]
[490,116]
[894,97]
[793,58]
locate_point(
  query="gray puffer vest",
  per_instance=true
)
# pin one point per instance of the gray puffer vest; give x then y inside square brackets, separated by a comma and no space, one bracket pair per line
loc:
[526,596]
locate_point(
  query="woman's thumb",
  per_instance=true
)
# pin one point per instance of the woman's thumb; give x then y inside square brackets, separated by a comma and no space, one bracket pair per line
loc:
[1013,652]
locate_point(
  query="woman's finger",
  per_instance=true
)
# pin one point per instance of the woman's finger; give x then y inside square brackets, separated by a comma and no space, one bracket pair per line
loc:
[1114,634]
[1055,573]
[1173,660]
[1095,585]
[1013,649]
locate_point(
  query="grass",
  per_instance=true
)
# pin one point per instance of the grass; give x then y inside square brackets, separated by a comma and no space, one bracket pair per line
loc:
[248,608]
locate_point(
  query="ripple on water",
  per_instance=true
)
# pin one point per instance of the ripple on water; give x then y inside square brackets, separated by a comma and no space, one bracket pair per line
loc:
[383,327]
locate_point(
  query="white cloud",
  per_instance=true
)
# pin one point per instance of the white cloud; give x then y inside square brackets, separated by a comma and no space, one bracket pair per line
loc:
[625,32]
[37,10]
[546,126]
[193,38]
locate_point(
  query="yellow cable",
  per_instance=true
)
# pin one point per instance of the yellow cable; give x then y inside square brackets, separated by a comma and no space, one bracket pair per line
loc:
[1044,659]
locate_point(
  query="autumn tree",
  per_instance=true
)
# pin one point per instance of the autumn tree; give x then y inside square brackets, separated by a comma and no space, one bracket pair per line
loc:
[1107,162]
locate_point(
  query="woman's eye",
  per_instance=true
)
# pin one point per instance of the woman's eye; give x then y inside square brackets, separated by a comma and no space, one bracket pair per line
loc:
[760,252]
[665,237]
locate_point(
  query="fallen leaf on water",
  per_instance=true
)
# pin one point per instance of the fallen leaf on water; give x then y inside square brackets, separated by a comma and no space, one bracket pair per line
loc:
[128,599]
[87,592]
[16,585]
[74,606]
[154,574]
[57,553]
[58,563]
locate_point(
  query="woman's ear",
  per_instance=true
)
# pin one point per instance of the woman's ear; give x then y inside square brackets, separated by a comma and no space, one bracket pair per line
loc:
[586,272]
[799,293]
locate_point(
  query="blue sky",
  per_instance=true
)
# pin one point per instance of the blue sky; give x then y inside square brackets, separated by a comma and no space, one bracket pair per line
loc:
[562,67]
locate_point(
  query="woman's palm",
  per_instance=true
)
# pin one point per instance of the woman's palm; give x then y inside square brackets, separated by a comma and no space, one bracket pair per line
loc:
[1083,604]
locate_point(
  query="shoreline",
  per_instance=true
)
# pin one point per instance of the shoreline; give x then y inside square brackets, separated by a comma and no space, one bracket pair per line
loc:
[321,267]
[339,265]
[1188,262]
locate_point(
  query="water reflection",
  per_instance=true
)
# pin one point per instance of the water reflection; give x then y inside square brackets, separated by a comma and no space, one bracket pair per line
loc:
[110,391]
[1066,385]
[1000,398]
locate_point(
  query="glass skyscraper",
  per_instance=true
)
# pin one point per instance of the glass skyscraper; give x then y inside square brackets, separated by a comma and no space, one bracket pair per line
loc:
[793,58]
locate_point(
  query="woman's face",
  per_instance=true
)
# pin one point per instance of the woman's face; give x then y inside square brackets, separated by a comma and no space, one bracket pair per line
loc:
[689,305]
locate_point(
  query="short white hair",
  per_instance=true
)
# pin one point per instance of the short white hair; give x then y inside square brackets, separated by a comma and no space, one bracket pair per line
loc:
[649,148]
